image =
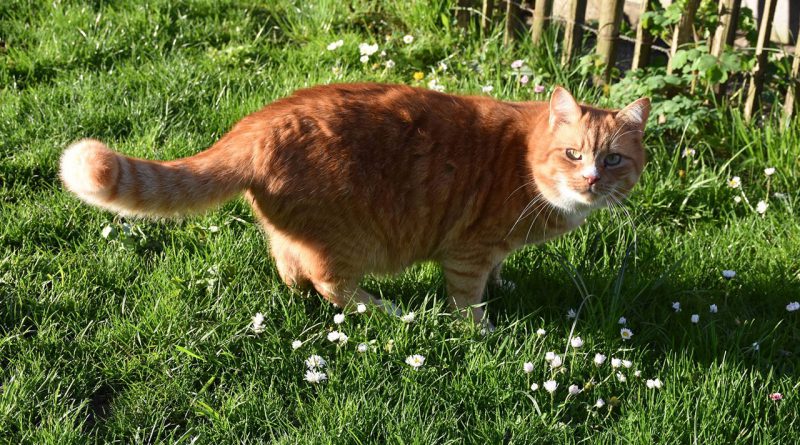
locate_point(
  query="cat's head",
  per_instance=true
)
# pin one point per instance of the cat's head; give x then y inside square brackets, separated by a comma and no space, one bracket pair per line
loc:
[593,157]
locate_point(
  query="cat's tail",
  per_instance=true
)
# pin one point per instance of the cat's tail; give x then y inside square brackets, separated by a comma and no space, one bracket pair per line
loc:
[130,186]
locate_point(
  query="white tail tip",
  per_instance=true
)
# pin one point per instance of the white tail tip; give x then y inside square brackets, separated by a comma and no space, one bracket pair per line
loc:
[90,170]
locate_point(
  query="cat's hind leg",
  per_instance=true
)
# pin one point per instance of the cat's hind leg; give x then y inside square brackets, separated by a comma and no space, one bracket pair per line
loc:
[288,263]
[345,293]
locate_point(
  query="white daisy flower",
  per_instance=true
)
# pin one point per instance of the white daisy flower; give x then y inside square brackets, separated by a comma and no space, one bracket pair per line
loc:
[556,362]
[622,320]
[408,39]
[756,346]
[487,89]
[621,377]
[313,376]
[769,171]
[409,317]
[389,64]
[362,347]
[599,359]
[695,318]
[735,182]
[637,373]
[540,332]
[315,361]
[676,306]
[361,308]
[364,58]
[297,344]
[534,386]
[576,342]
[573,390]
[571,313]
[343,338]
[688,152]
[713,309]
[615,362]
[333,46]
[761,207]
[599,403]
[415,361]
[257,324]
[625,333]
[527,367]
[737,199]
[654,383]
[338,318]
[333,336]
[549,356]
[793,306]
[435,85]
[517,64]
[550,386]
[728,274]
[627,363]
[367,50]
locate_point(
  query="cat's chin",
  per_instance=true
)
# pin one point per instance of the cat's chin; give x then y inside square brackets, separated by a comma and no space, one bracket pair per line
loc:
[579,203]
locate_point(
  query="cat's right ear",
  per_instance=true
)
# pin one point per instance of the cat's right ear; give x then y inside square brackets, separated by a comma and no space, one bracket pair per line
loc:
[563,108]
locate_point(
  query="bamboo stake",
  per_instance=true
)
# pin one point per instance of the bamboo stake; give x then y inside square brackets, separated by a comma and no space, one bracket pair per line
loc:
[726,31]
[644,41]
[541,12]
[683,31]
[573,29]
[794,80]
[757,78]
[513,22]
[486,15]
[610,14]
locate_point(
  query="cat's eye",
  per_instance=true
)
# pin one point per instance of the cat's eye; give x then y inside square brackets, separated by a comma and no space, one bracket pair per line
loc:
[574,154]
[613,159]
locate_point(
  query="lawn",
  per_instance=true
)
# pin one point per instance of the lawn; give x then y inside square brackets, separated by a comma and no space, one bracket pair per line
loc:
[135,331]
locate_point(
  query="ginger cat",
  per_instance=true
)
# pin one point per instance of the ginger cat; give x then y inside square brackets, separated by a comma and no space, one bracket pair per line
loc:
[368,178]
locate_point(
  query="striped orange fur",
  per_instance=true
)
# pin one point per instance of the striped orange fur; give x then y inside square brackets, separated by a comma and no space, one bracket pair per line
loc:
[369,178]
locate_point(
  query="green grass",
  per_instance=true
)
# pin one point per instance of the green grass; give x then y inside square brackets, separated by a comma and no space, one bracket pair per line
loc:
[144,338]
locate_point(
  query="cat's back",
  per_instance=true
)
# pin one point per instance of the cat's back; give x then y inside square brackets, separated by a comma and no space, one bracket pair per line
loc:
[358,110]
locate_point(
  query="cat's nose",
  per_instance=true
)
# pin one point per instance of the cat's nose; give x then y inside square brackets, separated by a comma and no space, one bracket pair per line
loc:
[591,179]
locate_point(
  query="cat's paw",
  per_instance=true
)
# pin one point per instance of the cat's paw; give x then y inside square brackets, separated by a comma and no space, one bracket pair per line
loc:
[389,307]
[488,326]
[506,284]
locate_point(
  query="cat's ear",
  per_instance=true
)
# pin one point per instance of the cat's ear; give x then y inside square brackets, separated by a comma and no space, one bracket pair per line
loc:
[563,108]
[636,113]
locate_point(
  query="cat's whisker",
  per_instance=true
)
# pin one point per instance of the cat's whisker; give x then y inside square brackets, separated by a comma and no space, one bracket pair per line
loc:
[531,182]
[539,210]
[522,215]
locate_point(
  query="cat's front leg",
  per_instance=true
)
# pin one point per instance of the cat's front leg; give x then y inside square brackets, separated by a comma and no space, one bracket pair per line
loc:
[466,278]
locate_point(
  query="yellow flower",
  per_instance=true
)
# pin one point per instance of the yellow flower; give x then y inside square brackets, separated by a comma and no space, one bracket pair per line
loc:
[419,75]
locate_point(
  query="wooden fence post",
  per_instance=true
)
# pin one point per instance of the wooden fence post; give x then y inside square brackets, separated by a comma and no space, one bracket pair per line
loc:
[610,14]
[462,13]
[513,22]
[542,10]
[683,31]
[791,94]
[573,32]
[644,40]
[726,31]
[757,77]
[486,15]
